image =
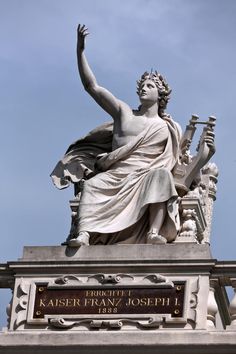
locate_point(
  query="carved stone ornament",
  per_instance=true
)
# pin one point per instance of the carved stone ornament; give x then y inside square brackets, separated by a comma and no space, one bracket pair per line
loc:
[120,278]
[196,208]
[153,322]
[22,303]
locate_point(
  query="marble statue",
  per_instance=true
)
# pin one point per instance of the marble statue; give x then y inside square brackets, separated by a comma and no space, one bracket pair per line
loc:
[125,169]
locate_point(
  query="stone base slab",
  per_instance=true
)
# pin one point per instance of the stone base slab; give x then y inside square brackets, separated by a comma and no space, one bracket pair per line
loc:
[178,342]
[118,252]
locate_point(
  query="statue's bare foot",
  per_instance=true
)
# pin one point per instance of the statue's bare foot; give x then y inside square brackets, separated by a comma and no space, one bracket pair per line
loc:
[81,240]
[154,238]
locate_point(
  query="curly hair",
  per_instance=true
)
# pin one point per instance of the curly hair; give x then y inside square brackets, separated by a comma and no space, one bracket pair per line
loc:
[162,86]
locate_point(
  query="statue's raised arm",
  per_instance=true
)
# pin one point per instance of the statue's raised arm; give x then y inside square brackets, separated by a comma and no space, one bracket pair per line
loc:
[102,96]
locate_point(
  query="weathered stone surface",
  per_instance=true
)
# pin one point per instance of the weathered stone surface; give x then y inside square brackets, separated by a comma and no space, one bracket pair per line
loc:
[187,342]
[133,253]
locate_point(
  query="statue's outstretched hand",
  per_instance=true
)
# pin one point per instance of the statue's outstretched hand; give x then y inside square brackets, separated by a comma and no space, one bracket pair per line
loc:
[82,32]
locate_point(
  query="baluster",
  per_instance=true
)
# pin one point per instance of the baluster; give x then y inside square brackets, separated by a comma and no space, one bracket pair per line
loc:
[212,307]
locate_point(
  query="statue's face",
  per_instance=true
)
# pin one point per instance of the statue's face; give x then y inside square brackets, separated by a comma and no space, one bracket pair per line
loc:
[148,92]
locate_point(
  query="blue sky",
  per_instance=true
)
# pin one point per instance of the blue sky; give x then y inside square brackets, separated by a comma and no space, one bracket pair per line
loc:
[44,108]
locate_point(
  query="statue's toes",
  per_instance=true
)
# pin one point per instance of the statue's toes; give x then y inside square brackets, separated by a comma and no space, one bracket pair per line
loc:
[81,240]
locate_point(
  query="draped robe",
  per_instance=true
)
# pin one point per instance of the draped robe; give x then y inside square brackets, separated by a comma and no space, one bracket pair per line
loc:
[114,203]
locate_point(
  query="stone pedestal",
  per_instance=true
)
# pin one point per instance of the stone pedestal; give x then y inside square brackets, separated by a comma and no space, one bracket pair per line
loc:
[118,298]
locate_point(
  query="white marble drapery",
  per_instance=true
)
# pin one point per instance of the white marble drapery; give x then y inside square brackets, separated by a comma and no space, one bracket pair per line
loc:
[114,203]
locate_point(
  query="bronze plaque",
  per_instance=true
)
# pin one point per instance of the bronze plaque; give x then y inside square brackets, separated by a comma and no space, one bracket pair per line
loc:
[109,301]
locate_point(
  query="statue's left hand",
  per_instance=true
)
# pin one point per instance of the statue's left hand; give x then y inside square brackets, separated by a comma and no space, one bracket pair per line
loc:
[209,139]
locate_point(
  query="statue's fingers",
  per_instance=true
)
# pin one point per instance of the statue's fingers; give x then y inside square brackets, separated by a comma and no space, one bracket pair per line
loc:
[210,133]
[82,27]
[209,141]
[210,144]
[85,33]
[210,136]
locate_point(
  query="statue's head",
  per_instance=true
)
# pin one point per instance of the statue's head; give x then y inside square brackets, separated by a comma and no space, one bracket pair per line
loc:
[163,90]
